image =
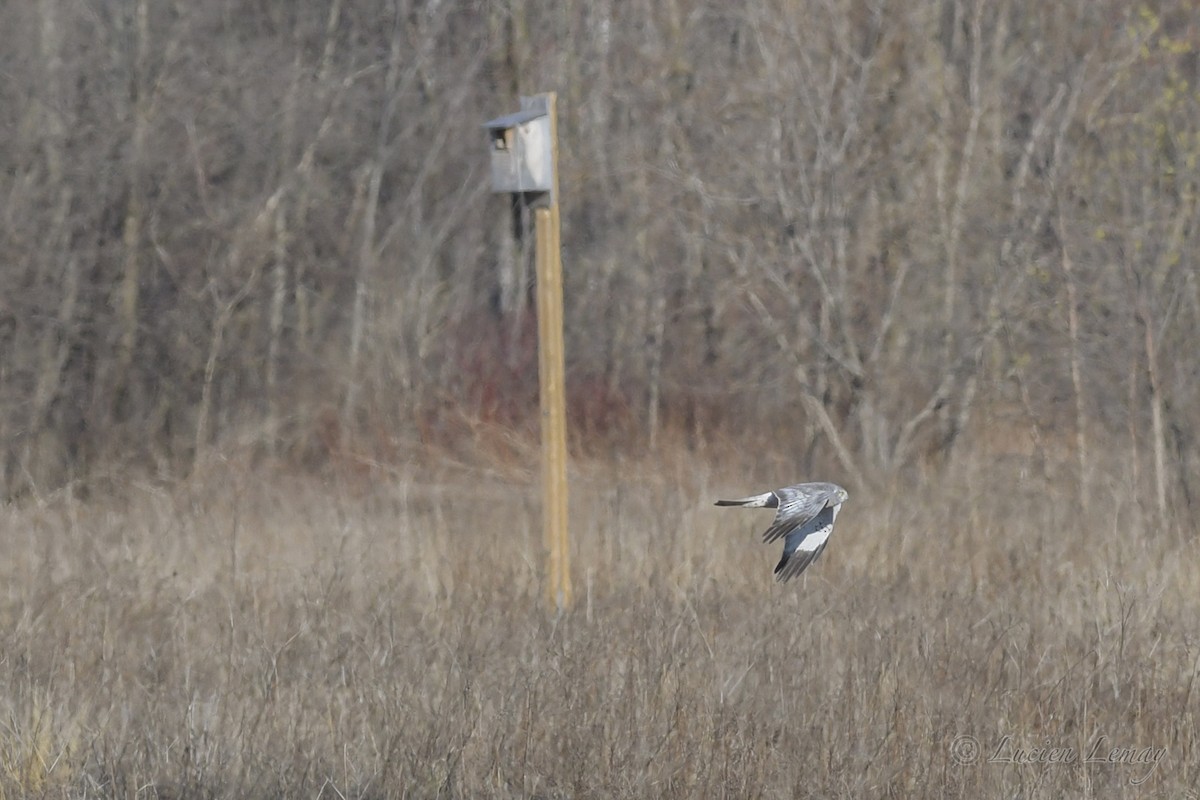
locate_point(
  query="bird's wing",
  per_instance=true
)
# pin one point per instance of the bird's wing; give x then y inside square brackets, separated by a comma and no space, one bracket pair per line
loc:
[797,505]
[803,545]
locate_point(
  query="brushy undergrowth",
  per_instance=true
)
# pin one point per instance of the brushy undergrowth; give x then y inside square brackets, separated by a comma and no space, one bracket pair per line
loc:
[258,636]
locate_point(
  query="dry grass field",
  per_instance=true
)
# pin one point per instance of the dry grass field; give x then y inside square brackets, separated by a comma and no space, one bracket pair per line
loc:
[385,636]
[270,519]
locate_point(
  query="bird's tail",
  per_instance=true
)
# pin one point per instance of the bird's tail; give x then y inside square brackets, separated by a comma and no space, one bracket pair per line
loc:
[768,500]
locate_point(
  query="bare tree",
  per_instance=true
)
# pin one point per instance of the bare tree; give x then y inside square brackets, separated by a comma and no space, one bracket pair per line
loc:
[860,226]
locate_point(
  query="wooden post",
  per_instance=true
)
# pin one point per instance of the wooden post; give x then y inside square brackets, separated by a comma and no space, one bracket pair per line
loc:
[524,161]
[553,396]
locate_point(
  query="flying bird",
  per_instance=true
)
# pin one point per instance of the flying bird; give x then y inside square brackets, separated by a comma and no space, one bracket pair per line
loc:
[805,520]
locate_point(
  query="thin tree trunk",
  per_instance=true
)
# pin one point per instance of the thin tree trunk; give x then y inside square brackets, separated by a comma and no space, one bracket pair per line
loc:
[279,266]
[275,323]
[132,228]
[224,315]
[1157,433]
[368,253]
[658,328]
[1081,448]
[300,299]
[966,168]
[1143,319]
[1135,455]
[54,345]
[366,269]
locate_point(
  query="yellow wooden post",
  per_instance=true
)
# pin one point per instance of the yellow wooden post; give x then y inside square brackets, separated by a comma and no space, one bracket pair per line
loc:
[524,161]
[553,394]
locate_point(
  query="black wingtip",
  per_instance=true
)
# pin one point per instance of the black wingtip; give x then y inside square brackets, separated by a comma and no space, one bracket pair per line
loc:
[728,503]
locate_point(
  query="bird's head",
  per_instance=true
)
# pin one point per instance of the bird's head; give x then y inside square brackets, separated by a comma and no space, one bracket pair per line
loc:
[841,496]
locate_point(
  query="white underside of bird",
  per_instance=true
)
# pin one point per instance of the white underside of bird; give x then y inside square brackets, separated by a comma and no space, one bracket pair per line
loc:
[804,519]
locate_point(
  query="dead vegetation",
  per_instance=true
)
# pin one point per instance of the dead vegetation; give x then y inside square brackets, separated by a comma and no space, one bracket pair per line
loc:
[872,221]
[269,637]
[270,526]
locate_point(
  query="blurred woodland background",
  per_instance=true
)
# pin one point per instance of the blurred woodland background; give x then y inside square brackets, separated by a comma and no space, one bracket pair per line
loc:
[874,235]
[263,327]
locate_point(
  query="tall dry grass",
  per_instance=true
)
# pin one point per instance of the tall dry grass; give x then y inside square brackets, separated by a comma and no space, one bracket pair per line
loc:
[383,635]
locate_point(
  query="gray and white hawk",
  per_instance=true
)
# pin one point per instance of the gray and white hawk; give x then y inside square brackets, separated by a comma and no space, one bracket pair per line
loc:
[804,519]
